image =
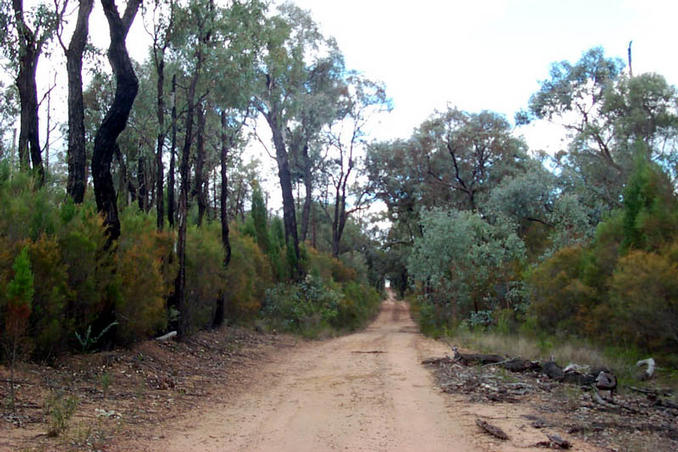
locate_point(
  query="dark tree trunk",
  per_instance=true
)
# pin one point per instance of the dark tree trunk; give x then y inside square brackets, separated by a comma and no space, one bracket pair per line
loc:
[199,191]
[77,156]
[289,214]
[142,191]
[223,199]
[115,120]
[183,327]
[308,185]
[171,203]
[159,177]
[29,140]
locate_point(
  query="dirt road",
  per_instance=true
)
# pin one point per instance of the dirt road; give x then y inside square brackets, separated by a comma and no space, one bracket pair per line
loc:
[366,391]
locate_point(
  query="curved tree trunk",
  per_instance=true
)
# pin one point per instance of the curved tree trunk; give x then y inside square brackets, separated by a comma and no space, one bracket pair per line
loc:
[77,157]
[115,120]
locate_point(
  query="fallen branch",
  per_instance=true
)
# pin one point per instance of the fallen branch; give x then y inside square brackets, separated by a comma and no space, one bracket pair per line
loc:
[492,429]
[164,337]
[595,395]
[369,351]
[554,442]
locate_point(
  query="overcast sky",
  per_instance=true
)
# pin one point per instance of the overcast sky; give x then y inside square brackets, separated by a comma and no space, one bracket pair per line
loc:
[488,54]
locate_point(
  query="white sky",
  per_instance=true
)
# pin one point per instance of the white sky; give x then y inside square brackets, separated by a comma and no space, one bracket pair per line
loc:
[488,54]
[473,54]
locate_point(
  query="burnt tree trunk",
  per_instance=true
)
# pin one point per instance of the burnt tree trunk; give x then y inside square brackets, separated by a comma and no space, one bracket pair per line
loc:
[171,203]
[183,327]
[199,190]
[30,48]
[160,113]
[77,156]
[115,120]
[223,200]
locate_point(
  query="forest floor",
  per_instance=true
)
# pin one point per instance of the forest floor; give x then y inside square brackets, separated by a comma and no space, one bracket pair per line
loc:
[236,390]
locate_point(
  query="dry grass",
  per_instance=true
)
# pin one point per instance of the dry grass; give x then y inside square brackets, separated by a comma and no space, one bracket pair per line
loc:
[532,348]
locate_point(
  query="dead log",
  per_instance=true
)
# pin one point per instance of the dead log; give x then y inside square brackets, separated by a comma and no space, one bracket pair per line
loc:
[492,429]
[520,365]
[164,337]
[554,442]
[437,361]
[476,358]
[552,370]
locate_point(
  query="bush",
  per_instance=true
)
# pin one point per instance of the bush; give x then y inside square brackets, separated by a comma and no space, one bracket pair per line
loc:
[141,309]
[559,297]
[644,298]
[205,275]
[307,307]
[247,277]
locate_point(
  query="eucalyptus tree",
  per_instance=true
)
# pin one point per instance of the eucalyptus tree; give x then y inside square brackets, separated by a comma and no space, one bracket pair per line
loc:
[468,154]
[77,153]
[293,47]
[318,106]
[360,100]
[159,22]
[24,35]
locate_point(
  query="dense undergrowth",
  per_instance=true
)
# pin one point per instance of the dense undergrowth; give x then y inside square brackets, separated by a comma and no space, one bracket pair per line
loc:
[62,291]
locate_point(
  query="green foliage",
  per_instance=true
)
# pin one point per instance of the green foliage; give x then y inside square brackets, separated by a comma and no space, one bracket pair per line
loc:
[259,215]
[465,263]
[87,341]
[247,277]
[60,409]
[141,309]
[644,300]
[205,274]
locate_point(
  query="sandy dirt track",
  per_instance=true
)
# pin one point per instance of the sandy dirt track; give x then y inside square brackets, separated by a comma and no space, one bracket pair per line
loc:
[361,392]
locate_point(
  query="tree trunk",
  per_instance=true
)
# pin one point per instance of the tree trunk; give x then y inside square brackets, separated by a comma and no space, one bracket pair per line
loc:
[159,177]
[183,327]
[308,185]
[223,199]
[142,191]
[199,187]
[171,203]
[115,120]
[77,157]
[289,214]
[29,53]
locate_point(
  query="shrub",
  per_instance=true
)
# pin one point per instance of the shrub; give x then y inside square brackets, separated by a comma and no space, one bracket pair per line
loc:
[558,294]
[205,275]
[644,298]
[144,275]
[247,277]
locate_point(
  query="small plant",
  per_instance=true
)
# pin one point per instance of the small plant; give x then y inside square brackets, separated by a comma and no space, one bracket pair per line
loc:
[87,341]
[105,382]
[60,410]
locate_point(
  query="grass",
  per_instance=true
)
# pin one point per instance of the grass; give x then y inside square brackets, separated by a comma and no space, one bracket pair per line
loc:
[563,351]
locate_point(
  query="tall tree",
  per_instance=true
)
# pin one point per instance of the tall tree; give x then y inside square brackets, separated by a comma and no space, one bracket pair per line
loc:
[77,156]
[115,120]
[293,45]
[360,101]
[23,43]
[199,22]
[161,28]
